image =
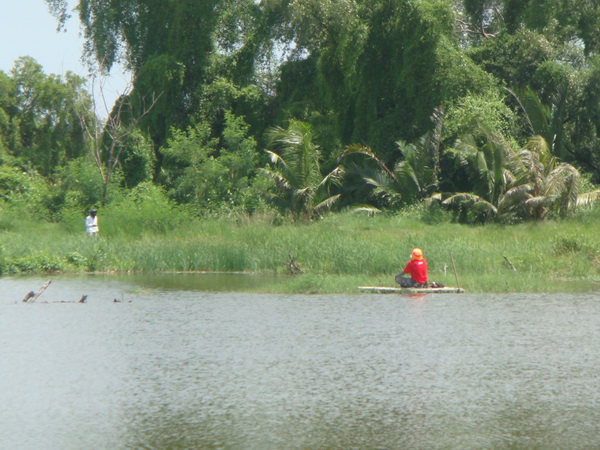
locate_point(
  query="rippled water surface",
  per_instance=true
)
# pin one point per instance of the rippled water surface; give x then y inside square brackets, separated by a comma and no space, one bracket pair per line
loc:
[177,364]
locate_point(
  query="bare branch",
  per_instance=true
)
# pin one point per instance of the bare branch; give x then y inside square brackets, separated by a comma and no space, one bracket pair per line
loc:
[107,156]
[470,28]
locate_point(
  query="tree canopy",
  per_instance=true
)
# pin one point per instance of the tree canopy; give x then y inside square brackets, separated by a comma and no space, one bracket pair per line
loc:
[222,75]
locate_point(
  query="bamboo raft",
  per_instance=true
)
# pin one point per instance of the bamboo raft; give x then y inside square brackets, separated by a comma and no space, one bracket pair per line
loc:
[402,290]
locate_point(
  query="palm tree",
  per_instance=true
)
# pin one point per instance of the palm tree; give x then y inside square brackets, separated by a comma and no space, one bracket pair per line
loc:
[485,160]
[528,184]
[301,187]
[409,181]
[544,120]
[542,183]
[413,178]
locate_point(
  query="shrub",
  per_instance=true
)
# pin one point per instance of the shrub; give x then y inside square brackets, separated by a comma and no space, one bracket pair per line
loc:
[146,209]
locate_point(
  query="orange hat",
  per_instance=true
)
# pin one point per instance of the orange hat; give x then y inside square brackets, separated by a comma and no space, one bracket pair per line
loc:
[417,253]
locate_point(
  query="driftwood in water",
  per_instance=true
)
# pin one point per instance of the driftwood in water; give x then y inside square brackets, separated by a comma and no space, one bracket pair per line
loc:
[292,266]
[31,297]
[28,296]
[81,300]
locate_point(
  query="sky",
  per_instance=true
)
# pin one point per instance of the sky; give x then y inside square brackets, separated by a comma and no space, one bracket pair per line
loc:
[28,29]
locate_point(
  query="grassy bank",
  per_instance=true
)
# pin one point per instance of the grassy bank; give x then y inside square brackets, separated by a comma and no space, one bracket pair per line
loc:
[336,254]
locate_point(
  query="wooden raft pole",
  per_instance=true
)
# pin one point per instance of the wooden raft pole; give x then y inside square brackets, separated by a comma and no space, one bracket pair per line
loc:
[455,274]
[31,297]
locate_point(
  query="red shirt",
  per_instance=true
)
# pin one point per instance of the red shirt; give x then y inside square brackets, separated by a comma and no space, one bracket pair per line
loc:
[417,268]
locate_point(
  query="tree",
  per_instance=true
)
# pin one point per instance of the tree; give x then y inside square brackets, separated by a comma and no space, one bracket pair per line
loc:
[413,178]
[359,72]
[204,171]
[39,119]
[505,184]
[301,188]
[546,121]
[562,20]
[543,184]
[373,72]
[545,49]
[169,47]
[484,159]
[108,137]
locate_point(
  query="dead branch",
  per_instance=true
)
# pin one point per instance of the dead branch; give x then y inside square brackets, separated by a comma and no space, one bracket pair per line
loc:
[509,263]
[292,267]
[107,156]
[31,297]
[28,296]
[470,28]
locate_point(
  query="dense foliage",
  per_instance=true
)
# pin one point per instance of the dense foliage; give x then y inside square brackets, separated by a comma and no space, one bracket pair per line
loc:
[489,110]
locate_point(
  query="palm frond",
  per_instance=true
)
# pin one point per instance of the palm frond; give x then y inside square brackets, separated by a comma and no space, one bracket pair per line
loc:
[358,149]
[484,207]
[539,145]
[370,210]
[276,159]
[537,113]
[514,198]
[366,151]
[541,201]
[407,177]
[383,181]
[334,176]
[518,99]
[588,197]
[435,140]
[279,179]
[519,192]
[472,201]
[303,193]
[326,204]
[434,198]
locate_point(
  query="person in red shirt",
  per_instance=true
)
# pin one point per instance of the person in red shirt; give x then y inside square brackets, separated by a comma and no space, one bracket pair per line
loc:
[416,268]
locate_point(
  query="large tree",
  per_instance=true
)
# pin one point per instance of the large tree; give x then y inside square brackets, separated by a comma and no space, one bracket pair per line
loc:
[374,71]
[358,72]
[39,124]
[547,49]
[170,48]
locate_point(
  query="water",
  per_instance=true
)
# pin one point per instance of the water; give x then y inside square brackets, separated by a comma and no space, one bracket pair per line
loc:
[193,367]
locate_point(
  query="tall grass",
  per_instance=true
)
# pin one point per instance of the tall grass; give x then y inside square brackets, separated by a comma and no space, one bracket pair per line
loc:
[336,254]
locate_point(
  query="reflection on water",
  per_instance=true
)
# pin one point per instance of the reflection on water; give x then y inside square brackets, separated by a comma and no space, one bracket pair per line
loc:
[187,368]
[212,282]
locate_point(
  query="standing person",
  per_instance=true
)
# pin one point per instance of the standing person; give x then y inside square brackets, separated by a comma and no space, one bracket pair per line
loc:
[91,223]
[416,268]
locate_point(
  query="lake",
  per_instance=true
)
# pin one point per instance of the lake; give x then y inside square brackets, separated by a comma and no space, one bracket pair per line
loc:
[187,361]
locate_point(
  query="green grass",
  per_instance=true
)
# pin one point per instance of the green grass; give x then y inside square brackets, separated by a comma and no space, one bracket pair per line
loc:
[336,254]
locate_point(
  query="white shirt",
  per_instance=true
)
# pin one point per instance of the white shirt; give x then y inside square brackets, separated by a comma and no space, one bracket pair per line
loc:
[91,224]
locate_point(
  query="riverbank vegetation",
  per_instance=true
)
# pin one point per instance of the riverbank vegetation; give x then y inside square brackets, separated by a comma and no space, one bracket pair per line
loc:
[335,254]
[252,130]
